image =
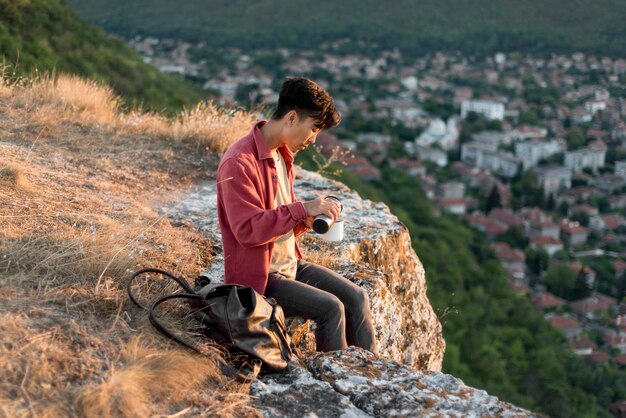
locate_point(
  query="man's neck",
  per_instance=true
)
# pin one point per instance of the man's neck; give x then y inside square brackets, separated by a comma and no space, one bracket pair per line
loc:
[271,133]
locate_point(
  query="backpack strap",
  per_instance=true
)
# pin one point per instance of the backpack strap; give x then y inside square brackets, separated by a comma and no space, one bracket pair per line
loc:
[182,282]
[223,366]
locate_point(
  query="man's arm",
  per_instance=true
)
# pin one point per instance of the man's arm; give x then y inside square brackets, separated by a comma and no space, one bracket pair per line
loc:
[252,224]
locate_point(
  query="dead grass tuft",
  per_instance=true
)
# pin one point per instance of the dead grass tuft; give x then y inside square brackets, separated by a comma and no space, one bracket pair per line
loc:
[14,176]
[149,379]
[80,256]
[208,126]
[82,100]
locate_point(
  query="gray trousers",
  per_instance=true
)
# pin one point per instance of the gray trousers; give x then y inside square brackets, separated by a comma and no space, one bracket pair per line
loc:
[339,308]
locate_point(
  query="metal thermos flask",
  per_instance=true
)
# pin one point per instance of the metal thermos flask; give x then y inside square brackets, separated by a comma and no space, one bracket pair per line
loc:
[322,223]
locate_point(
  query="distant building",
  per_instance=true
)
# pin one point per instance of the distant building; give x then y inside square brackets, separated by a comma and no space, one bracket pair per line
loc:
[620,168]
[569,326]
[554,179]
[485,156]
[524,132]
[490,109]
[453,205]
[609,183]
[513,261]
[572,233]
[446,135]
[493,138]
[550,244]
[531,152]
[592,157]
[437,156]
[546,300]
[411,167]
[451,190]
[594,306]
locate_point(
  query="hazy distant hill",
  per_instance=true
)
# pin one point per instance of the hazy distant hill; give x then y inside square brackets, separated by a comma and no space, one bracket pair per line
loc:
[47,35]
[476,26]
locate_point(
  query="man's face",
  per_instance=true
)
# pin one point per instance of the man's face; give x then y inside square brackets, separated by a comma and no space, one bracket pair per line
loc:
[301,133]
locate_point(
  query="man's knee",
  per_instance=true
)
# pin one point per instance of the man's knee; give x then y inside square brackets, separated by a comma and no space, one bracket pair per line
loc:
[333,307]
[359,299]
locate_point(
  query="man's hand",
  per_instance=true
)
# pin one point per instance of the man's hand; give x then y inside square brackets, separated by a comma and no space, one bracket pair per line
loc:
[320,206]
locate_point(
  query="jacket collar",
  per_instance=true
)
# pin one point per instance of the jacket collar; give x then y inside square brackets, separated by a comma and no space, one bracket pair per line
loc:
[263,151]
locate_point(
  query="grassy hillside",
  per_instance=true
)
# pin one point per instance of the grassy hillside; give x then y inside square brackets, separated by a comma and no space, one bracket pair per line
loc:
[80,182]
[417,26]
[46,35]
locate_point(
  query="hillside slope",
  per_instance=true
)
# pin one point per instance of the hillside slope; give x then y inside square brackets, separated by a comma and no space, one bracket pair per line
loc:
[479,26]
[87,199]
[46,35]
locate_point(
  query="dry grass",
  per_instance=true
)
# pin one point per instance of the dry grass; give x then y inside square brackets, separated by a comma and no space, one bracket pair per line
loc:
[80,181]
[206,125]
[14,176]
[50,99]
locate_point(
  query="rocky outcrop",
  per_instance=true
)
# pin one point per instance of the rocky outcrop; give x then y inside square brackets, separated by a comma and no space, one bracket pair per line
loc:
[376,253]
[355,383]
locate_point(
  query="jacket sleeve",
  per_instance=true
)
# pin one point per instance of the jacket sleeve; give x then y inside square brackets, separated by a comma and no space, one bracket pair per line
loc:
[241,196]
[300,229]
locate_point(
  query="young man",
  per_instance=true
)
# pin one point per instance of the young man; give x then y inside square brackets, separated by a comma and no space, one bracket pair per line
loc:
[260,218]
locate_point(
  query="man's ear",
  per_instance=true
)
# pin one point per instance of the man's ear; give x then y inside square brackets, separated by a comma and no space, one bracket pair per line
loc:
[292,117]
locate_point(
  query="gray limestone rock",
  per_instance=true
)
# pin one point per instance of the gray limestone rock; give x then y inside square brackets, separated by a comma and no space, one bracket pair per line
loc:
[355,383]
[376,253]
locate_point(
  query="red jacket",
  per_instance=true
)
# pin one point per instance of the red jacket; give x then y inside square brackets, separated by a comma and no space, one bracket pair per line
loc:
[249,221]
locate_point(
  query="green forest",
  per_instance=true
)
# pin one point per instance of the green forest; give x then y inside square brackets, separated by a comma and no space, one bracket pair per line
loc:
[496,340]
[417,27]
[45,36]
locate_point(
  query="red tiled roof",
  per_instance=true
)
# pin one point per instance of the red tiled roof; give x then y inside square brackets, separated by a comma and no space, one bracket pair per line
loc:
[453,201]
[584,208]
[495,229]
[365,171]
[572,228]
[564,322]
[593,303]
[505,253]
[580,343]
[621,360]
[596,133]
[615,340]
[545,241]
[612,221]
[546,300]
[577,266]
[505,217]
[598,357]
[407,164]
[619,265]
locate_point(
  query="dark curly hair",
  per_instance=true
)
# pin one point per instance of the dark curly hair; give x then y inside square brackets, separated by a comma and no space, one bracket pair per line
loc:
[308,99]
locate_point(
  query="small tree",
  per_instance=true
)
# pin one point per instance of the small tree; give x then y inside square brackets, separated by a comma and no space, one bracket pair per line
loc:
[537,259]
[493,200]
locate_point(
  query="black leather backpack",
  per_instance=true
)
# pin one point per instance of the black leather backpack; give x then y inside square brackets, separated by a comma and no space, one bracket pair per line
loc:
[234,316]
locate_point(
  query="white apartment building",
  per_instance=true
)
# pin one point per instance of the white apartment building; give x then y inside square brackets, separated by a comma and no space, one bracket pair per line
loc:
[592,157]
[620,168]
[435,155]
[442,133]
[487,157]
[554,179]
[490,109]
[531,152]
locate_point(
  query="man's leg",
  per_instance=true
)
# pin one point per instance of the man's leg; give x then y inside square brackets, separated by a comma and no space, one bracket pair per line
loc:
[300,299]
[359,328]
